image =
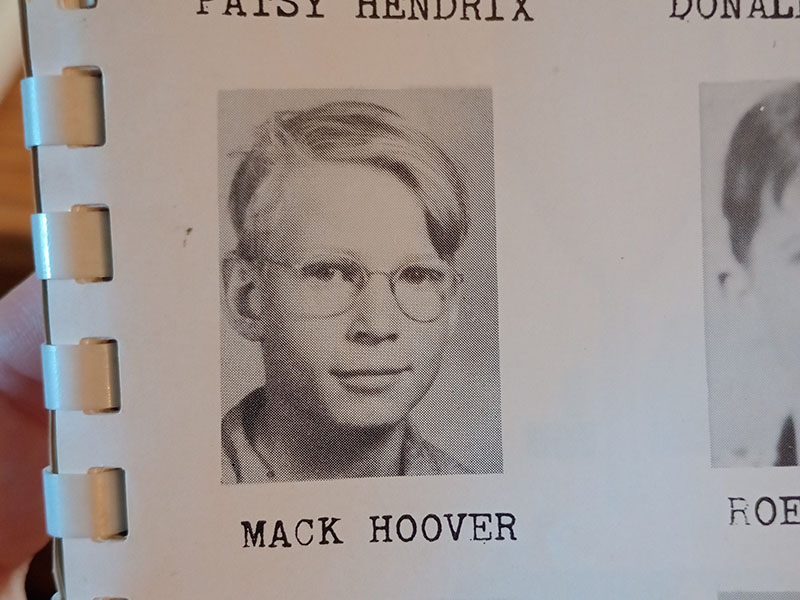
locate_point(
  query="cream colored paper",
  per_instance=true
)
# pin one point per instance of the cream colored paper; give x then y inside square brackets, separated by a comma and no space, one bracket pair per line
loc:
[597,186]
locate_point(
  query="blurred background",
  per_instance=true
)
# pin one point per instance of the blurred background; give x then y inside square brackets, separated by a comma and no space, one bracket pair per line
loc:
[16,205]
[16,186]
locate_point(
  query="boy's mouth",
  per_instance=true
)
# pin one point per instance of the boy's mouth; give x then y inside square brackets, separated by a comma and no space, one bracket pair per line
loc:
[369,372]
[369,381]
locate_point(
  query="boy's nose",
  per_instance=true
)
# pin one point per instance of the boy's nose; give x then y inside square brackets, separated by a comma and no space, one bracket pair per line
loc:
[375,314]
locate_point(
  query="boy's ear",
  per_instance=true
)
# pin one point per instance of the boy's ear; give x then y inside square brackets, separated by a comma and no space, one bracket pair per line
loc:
[242,300]
[736,288]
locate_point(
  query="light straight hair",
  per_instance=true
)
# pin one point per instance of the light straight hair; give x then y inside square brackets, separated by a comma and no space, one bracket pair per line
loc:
[349,132]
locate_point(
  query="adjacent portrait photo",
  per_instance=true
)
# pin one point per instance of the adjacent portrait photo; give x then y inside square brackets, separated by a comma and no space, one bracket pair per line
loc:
[358,284]
[751,207]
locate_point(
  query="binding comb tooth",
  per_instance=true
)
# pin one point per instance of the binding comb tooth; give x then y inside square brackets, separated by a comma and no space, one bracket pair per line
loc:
[64,109]
[86,505]
[73,245]
[81,376]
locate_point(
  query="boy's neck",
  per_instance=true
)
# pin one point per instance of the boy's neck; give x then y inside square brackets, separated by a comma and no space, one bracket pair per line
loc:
[298,448]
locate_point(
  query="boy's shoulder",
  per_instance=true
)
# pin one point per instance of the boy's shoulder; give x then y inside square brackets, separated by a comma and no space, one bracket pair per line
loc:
[421,457]
[240,461]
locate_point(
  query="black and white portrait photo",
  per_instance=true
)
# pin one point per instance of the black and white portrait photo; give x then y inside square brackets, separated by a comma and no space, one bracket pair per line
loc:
[751,198]
[358,284]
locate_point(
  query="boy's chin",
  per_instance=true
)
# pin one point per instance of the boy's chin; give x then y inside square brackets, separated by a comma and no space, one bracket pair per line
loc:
[372,415]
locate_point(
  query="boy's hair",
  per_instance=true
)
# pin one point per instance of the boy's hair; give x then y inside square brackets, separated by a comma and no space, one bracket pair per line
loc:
[763,156]
[349,132]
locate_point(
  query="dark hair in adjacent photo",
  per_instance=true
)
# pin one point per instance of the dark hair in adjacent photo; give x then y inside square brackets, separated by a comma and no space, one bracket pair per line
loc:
[763,156]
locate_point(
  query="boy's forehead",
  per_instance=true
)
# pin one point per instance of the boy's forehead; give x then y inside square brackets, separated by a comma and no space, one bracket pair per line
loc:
[780,221]
[349,206]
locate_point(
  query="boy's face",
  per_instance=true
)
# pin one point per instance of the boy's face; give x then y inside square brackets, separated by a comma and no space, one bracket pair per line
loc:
[370,365]
[774,269]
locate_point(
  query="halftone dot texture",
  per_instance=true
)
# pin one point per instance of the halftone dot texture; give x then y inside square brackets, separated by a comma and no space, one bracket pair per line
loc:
[457,427]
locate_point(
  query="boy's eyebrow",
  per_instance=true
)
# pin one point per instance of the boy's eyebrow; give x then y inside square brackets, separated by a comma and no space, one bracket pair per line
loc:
[359,257]
[415,257]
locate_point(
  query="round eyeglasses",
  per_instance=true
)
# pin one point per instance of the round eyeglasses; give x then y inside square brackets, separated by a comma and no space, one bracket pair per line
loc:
[327,286]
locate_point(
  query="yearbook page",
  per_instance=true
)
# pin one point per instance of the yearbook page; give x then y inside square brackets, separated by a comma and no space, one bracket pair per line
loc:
[435,299]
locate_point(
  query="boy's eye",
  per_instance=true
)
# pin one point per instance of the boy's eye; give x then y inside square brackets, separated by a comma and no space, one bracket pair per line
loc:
[329,271]
[418,274]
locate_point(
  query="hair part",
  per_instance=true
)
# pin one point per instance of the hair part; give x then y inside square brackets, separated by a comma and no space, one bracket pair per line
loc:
[351,132]
[763,157]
